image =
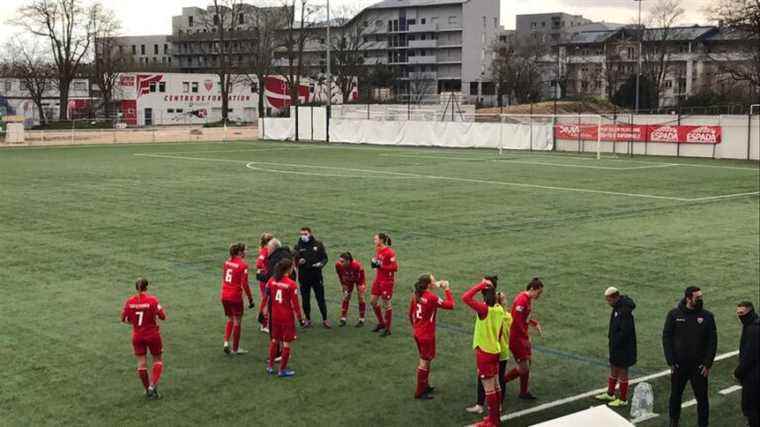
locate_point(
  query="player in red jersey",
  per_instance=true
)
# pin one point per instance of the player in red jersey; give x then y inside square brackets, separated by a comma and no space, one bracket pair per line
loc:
[141,310]
[282,293]
[261,274]
[234,283]
[422,312]
[382,287]
[351,273]
[519,340]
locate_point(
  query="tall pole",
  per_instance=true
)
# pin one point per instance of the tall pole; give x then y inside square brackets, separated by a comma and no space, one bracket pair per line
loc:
[638,66]
[329,77]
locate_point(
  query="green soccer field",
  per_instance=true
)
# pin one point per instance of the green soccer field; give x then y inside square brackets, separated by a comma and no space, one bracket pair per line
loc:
[79,224]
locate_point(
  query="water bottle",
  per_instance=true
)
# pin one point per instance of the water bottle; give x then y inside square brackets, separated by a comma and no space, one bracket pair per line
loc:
[642,403]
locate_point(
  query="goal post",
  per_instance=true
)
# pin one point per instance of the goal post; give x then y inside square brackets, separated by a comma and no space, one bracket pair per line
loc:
[581,127]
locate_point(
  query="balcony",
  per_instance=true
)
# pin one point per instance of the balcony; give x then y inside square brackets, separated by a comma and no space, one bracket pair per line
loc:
[425,75]
[423,28]
[428,59]
[422,44]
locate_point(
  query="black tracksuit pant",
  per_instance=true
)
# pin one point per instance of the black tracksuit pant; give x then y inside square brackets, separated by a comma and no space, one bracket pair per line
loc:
[315,283]
[678,380]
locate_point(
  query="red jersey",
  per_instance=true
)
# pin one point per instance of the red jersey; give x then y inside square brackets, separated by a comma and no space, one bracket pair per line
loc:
[388,266]
[422,313]
[261,260]
[521,308]
[141,311]
[284,300]
[235,280]
[351,275]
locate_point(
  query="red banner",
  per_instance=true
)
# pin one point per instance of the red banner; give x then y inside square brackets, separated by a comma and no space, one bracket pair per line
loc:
[683,134]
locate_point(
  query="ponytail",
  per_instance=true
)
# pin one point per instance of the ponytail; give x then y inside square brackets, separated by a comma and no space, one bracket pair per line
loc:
[385,238]
[265,238]
[141,284]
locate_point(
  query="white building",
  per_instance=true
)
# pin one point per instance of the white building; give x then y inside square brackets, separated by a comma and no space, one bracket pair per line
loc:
[16,100]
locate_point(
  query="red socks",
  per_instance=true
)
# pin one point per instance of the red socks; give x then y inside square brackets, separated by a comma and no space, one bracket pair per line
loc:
[344,308]
[524,382]
[158,367]
[285,357]
[422,381]
[228,331]
[388,318]
[611,381]
[624,389]
[362,309]
[143,374]
[494,407]
[511,375]
[235,337]
[273,347]
[378,314]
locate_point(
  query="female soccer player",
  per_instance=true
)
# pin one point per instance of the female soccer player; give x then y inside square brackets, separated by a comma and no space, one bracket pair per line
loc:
[382,287]
[519,340]
[282,292]
[142,310]
[487,345]
[501,299]
[261,275]
[351,273]
[422,312]
[234,283]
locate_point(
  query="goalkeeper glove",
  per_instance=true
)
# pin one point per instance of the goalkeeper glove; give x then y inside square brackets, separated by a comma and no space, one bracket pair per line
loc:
[375,263]
[250,303]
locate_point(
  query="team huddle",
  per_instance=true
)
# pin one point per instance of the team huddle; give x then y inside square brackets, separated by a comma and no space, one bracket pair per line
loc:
[287,277]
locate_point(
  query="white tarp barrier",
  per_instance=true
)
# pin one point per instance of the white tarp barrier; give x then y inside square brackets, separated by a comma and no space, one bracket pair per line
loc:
[597,416]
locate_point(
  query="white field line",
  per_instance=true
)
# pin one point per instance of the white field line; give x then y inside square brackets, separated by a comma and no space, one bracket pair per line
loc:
[729,390]
[244,150]
[446,178]
[726,196]
[527,162]
[592,393]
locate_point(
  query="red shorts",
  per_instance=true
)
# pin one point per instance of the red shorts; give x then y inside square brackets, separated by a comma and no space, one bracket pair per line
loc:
[141,345]
[488,363]
[233,308]
[348,288]
[383,290]
[426,348]
[521,348]
[283,331]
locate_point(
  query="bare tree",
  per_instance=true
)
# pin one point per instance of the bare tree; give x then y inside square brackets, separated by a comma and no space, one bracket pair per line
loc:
[110,60]
[348,48]
[68,26]
[34,71]
[266,24]
[657,42]
[517,67]
[741,25]
[293,42]
[421,84]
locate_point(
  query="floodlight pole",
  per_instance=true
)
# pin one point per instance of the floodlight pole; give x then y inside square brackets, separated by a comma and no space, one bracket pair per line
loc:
[749,130]
[638,66]
[329,77]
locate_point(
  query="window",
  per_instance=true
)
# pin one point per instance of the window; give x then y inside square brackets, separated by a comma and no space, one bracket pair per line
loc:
[390,26]
[134,50]
[152,87]
[8,86]
[668,84]
[142,49]
[532,25]
[80,86]
[179,110]
[170,59]
[185,87]
[170,110]
[543,24]
[241,19]
[496,22]
[484,22]
[163,60]
[452,20]
[423,37]
[422,21]
[254,88]
[190,21]
[155,49]
[474,88]
[162,87]
[195,87]
[216,19]
[630,53]
[166,49]
[411,22]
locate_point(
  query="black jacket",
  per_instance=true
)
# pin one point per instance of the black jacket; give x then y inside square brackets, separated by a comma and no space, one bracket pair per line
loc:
[315,258]
[748,371]
[622,333]
[278,254]
[689,337]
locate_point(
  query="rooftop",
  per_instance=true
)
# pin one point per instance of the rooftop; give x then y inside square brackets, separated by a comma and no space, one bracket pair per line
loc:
[392,4]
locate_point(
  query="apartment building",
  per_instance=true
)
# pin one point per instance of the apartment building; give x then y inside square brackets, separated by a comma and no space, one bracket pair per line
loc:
[550,26]
[145,52]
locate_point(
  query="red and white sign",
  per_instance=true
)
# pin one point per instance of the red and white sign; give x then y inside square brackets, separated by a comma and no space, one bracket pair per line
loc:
[676,134]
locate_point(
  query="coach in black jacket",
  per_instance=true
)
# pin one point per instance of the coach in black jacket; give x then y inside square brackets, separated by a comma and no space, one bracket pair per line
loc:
[311,258]
[690,340]
[748,371]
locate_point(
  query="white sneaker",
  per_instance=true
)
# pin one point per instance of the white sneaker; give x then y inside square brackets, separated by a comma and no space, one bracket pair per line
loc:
[475,409]
[240,351]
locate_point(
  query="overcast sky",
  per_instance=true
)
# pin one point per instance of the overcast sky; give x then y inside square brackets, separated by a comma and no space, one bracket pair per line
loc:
[142,17]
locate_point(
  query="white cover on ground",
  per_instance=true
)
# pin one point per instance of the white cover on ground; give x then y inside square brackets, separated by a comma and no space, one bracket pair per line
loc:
[597,416]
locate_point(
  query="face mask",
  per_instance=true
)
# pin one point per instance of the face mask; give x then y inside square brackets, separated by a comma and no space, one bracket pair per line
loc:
[305,239]
[748,317]
[698,304]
